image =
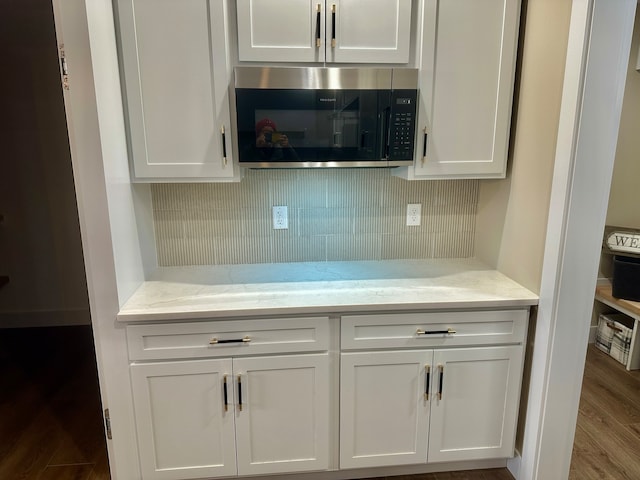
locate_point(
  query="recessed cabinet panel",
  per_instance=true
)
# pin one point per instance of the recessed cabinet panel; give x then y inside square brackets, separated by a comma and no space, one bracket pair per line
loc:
[228,338]
[384,414]
[282,31]
[283,425]
[474,418]
[338,31]
[466,88]
[433,329]
[369,31]
[176,78]
[183,428]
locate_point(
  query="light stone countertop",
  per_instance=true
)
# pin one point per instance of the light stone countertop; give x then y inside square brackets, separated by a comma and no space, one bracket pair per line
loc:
[177,293]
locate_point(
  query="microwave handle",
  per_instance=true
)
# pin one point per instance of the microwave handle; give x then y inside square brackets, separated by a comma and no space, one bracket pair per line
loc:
[386,132]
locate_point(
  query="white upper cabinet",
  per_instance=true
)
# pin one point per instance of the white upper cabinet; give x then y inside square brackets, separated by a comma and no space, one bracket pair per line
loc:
[368,31]
[466,88]
[281,31]
[338,31]
[177,73]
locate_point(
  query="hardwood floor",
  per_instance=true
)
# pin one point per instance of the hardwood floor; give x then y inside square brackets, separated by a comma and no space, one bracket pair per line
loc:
[607,441]
[50,413]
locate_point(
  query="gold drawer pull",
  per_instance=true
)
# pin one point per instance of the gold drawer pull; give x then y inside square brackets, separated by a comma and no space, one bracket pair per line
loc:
[448,331]
[215,341]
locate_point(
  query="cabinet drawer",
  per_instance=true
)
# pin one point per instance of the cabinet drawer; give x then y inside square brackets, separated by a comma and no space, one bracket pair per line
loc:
[413,330]
[227,338]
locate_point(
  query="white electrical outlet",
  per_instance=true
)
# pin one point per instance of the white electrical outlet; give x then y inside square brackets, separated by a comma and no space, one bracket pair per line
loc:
[414,211]
[280,217]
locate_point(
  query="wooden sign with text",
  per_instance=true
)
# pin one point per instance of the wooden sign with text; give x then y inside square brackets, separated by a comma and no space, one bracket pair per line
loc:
[622,240]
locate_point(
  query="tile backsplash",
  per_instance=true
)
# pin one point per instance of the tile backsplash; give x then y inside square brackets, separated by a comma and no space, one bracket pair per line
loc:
[334,214]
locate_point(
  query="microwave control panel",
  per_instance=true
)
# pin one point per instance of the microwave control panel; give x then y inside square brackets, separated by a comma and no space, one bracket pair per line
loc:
[402,124]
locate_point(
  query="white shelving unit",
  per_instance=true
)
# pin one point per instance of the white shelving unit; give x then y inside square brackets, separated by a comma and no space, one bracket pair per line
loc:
[631,309]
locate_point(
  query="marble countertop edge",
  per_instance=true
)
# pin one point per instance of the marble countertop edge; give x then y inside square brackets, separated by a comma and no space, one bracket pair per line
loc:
[198,293]
[181,315]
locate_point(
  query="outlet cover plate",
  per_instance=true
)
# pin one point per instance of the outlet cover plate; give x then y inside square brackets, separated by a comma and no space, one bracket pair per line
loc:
[280,217]
[414,211]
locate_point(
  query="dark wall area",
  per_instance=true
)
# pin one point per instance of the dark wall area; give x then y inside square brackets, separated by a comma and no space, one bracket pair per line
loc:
[40,247]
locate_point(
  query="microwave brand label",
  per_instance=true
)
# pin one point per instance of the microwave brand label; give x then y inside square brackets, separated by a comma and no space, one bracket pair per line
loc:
[327,99]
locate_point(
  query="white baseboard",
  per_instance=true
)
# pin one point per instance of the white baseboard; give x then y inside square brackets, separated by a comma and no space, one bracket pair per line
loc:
[356,473]
[513,465]
[49,318]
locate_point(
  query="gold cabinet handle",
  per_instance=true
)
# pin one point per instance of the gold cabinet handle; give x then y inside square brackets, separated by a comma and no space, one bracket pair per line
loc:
[333,26]
[427,379]
[448,331]
[240,392]
[440,380]
[224,145]
[318,11]
[216,341]
[224,389]
[424,145]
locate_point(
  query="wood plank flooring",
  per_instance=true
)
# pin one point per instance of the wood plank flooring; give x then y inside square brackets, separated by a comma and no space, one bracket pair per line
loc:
[50,414]
[607,441]
[51,420]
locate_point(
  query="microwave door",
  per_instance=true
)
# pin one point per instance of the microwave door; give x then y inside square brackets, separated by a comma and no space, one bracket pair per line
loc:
[345,121]
[323,127]
[358,125]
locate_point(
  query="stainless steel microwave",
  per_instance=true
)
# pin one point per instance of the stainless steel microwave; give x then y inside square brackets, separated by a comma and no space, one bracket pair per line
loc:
[293,117]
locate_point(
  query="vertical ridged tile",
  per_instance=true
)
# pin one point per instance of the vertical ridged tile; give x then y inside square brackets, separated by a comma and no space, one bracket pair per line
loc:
[406,246]
[341,214]
[290,249]
[240,250]
[350,247]
[325,221]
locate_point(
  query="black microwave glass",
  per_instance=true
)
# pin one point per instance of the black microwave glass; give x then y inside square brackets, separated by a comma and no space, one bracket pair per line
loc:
[319,127]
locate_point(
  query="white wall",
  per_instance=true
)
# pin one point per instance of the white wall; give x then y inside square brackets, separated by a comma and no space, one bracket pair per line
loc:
[625,195]
[512,213]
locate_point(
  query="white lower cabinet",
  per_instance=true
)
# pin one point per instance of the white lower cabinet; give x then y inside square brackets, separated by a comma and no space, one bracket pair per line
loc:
[258,396]
[432,404]
[183,428]
[241,416]
[384,416]
[284,422]
[474,405]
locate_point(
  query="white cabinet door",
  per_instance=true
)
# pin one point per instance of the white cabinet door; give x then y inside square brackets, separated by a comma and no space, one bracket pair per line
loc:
[340,31]
[384,413]
[368,31]
[476,416]
[177,73]
[281,31]
[284,422]
[183,428]
[466,88]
